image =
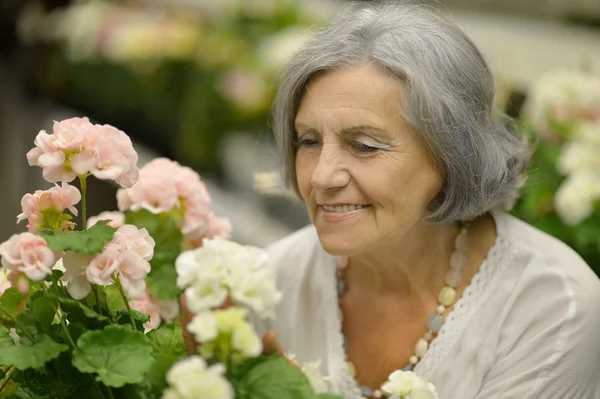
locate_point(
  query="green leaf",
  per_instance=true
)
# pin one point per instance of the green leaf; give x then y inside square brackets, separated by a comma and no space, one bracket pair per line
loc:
[122,318]
[162,282]
[141,391]
[325,396]
[163,228]
[116,354]
[269,378]
[58,378]
[114,300]
[168,339]
[42,310]
[34,356]
[88,242]
[27,393]
[69,303]
[11,300]
[168,348]
[55,276]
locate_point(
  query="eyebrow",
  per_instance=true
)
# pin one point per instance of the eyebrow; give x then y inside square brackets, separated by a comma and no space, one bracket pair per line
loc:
[348,130]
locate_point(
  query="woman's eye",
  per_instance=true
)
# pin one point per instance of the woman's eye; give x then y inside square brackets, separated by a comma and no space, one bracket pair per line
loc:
[360,147]
[306,143]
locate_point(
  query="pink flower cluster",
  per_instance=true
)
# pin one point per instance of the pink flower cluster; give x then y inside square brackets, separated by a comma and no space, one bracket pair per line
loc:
[126,258]
[43,202]
[77,147]
[157,310]
[27,256]
[166,186]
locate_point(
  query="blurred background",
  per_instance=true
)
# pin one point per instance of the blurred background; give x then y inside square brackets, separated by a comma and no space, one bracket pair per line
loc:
[193,80]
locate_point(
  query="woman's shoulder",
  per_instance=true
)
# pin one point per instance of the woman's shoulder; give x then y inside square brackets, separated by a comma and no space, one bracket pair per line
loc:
[537,244]
[546,266]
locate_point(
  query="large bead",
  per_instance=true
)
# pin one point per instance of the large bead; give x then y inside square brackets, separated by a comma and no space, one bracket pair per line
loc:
[447,296]
[461,242]
[453,278]
[458,260]
[341,262]
[421,348]
[435,322]
[366,391]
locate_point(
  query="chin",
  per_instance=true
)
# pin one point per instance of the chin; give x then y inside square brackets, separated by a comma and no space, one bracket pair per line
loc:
[340,244]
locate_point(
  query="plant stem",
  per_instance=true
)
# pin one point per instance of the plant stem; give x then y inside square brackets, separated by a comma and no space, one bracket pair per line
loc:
[97,295]
[82,180]
[62,321]
[110,394]
[98,387]
[7,376]
[17,323]
[120,287]
[65,329]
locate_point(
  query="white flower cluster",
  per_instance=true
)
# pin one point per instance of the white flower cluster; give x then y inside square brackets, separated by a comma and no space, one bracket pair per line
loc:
[580,163]
[221,272]
[407,385]
[564,107]
[562,96]
[190,378]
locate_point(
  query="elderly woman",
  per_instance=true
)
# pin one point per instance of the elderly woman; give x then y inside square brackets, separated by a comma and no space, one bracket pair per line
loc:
[386,126]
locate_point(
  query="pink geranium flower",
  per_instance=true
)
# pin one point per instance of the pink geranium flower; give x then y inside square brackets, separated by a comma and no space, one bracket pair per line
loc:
[116,219]
[125,257]
[77,147]
[216,227]
[166,186]
[29,255]
[49,203]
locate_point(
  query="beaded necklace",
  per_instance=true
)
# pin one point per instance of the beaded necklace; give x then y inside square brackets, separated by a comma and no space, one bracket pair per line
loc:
[446,298]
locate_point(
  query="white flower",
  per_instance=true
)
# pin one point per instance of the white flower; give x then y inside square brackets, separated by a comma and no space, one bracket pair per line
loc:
[75,266]
[205,294]
[246,341]
[277,50]
[231,318]
[423,390]
[317,381]
[578,156]
[256,290]
[574,200]
[220,267]
[190,378]
[401,383]
[204,327]
[588,132]
[563,95]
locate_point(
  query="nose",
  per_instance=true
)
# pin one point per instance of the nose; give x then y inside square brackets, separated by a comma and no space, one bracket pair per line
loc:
[330,173]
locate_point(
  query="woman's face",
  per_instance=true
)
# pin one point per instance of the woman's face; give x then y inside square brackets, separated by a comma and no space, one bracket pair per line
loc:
[365,176]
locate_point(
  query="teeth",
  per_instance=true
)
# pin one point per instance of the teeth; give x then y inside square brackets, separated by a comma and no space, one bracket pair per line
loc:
[342,208]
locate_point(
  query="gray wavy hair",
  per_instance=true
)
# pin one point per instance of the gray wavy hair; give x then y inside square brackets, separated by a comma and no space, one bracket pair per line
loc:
[448,97]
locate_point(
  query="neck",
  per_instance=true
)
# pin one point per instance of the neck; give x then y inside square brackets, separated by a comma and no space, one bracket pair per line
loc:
[414,265]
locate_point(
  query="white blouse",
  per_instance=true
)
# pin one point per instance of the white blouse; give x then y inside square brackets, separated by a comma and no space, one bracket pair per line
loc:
[526,327]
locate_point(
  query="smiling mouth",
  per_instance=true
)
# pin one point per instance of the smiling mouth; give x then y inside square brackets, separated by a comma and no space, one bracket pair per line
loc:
[342,208]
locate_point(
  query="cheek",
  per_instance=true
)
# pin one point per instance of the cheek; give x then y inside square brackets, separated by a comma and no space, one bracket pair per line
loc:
[304,171]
